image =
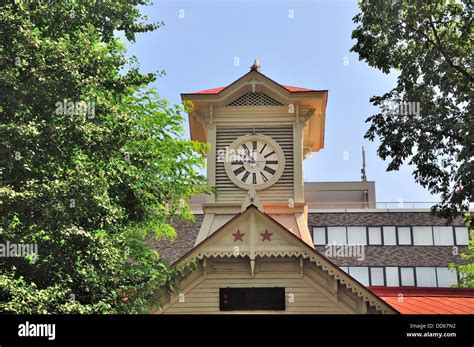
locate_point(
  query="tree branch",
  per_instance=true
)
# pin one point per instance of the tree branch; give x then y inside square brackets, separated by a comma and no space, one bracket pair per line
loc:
[445,55]
[441,49]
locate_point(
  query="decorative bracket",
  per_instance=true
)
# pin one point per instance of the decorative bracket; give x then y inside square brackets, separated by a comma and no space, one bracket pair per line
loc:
[251,199]
[200,117]
[307,116]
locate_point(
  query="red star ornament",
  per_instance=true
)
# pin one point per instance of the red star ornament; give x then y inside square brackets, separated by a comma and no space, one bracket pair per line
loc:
[266,235]
[238,236]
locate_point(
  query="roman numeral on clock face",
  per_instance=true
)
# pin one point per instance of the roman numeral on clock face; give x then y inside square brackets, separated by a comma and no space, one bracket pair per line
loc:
[254,145]
[263,148]
[268,169]
[254,178]
[263,177]
[239,170]
[272,162]
[269,154]
[244,177]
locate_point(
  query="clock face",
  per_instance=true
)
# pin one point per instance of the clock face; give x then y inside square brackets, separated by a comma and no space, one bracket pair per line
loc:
[255,160]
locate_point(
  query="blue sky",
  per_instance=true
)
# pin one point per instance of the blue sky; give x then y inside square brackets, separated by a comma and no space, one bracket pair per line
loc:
[201,39]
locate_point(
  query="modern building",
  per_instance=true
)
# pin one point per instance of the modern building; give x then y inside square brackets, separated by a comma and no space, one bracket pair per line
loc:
[270,242]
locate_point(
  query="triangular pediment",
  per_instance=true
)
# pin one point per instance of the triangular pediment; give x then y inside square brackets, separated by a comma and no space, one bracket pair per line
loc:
[254,90]
[253,236]
[252,82]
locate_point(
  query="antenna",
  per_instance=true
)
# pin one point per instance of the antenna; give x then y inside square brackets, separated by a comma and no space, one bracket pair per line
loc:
[362,171]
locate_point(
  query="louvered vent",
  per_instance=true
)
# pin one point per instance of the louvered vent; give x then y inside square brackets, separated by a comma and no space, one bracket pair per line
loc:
[283,135]
[255,99]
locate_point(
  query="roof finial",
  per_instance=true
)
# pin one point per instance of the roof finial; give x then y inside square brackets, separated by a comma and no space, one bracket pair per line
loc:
[256,65]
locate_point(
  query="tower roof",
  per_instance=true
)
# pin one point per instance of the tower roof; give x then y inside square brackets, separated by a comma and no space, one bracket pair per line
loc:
[310,105]
[217,90]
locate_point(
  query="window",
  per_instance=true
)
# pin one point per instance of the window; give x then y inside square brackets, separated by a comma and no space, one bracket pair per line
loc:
[426,277]
[337,235]
[375,236]
[389,236]
[423,236]
[245,299]
[443,236]
[407,276]
[360,273]
[319,236]
[356,236]
[446,277]
[392,276]
[404,236]
[376,276]
[462,236]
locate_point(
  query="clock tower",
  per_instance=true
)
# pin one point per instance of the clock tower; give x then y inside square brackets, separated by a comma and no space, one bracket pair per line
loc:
[254,252]
[259,132]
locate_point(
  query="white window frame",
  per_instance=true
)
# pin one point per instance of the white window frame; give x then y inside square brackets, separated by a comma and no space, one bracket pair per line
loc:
[401,271]
[422,235]
[382,270]
[386,230]
[358,229]
[439,270]
[325,235]
[409,233]
[421,271]
[332,228]
[443,230]
[393,271]
[357,268]
[377,230]
[458,231]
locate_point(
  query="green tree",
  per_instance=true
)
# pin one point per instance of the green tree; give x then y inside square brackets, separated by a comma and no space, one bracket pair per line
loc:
[426,120]
[93,162]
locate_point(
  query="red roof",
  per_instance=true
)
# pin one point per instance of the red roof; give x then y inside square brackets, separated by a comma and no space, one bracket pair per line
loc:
[415,300]
[219,89]
[298,89]
[210,91]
